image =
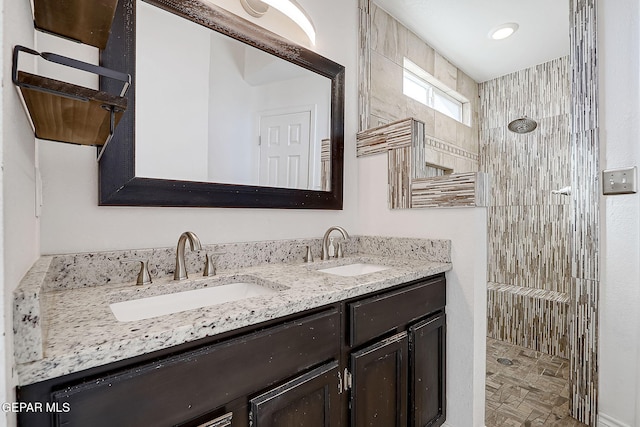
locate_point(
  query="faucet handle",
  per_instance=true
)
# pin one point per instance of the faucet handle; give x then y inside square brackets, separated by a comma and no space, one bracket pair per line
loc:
[339,252]
[308,254]
[209,266]
[144,278]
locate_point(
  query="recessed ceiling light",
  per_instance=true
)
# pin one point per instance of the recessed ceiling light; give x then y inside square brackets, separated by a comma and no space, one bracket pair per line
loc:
[503,31]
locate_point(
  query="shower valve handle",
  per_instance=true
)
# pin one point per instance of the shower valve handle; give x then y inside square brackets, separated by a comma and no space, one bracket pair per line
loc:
[565,191]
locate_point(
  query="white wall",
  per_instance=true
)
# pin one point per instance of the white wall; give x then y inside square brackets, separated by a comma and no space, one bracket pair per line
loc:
[72,221]
[230,117]
[19,231]
[466,283]
[619,52]
[172,96]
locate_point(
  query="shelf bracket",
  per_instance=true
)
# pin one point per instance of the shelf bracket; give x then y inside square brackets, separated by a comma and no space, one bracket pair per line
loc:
[30,84]
[68,62]
[112,126]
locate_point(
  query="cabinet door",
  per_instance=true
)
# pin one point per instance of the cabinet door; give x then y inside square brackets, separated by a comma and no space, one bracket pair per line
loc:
[427,372]
[310,400]
[379,383]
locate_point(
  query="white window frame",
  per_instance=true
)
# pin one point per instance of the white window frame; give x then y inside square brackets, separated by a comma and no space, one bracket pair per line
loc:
[426,89]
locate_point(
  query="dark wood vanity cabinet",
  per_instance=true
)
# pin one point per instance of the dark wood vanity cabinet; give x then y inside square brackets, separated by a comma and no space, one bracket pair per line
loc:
[427,340]
[379,378]
[397,361]
[312,399]
[376,360]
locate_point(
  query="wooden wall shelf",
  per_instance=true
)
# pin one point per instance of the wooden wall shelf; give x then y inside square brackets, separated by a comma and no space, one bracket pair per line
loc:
[67,112]
[85,21]
[83,118]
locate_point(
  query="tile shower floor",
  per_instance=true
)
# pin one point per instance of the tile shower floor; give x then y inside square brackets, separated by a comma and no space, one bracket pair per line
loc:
[532,391]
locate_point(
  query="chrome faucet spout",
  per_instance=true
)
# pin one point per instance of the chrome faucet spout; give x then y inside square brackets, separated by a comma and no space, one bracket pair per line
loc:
[180,272]
[325,240]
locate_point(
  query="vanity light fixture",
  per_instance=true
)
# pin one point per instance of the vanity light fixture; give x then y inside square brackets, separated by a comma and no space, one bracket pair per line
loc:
[290,8]
[503,31]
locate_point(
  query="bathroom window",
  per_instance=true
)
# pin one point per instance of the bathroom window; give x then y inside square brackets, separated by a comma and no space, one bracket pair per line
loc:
[424,88]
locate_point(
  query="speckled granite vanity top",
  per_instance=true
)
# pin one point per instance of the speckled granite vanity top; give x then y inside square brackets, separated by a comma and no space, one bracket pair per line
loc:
[63,323]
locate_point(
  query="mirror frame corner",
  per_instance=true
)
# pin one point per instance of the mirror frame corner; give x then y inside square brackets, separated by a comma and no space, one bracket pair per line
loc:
[118,184]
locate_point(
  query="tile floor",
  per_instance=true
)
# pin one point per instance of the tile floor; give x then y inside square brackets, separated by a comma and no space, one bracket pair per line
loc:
[533,391]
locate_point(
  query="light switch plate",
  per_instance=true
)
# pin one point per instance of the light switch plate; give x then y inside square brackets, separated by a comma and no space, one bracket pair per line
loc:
[619,181]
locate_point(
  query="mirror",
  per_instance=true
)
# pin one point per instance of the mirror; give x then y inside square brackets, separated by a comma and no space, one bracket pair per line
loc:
[179,145]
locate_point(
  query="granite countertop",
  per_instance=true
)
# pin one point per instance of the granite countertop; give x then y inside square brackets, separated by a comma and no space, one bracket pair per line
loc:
[79,331]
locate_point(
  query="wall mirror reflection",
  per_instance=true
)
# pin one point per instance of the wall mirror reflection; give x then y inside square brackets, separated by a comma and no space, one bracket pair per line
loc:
[245,116]
[225,113]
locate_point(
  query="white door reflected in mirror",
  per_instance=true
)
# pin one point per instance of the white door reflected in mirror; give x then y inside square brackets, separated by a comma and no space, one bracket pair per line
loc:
[284,150]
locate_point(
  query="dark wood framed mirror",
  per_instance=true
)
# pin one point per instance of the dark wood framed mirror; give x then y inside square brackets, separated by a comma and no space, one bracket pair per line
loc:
[120,186]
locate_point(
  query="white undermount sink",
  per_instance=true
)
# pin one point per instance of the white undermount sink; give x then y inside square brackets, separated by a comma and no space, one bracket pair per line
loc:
[356,269]
[147,308]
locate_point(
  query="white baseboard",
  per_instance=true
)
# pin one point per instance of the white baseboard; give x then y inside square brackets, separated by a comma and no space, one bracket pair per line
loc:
[607,421]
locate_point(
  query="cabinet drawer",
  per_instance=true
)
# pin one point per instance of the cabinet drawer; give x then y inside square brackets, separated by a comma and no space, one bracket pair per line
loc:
[187,385]
[376,315]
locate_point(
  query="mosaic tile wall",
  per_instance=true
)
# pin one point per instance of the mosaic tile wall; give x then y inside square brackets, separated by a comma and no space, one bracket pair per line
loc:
[583,329]
[529,265]
[543,313]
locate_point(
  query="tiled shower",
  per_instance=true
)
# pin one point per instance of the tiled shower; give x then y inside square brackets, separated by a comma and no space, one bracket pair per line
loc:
[529,266]
[543,278]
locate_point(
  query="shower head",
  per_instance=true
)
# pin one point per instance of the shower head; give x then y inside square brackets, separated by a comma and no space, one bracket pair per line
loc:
[523,125]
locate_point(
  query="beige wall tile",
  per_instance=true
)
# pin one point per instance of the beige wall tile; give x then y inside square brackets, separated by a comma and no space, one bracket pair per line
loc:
[466,86]
[388,37]
[420,53]
[445,71]
[423,113]
[445,128]
[387,99]
[463,164]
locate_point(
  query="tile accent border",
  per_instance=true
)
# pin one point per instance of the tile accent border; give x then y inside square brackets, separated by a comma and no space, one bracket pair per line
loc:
[585,196]
[455,190]
[410,186]
[383,138]
[364,65]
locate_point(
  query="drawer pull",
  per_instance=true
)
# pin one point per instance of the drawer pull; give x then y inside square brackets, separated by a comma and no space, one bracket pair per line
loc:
[222,421]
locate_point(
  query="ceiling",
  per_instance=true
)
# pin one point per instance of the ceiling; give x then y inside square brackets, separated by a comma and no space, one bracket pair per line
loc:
[458,30]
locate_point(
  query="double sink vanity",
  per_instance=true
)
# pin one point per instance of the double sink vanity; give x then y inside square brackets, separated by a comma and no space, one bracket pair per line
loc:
[268,340]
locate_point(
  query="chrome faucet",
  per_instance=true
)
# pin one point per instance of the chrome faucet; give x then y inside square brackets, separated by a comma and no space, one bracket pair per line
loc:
[181,272]
[325,240]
